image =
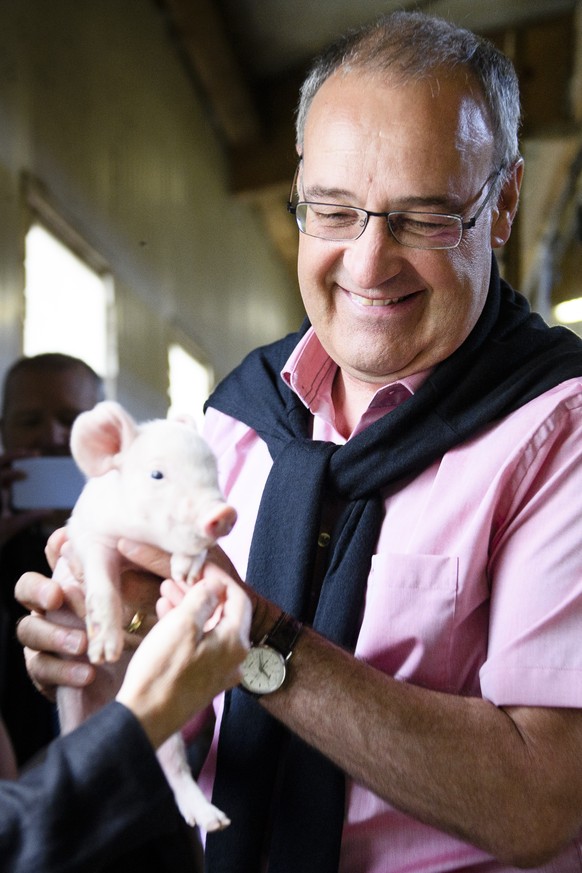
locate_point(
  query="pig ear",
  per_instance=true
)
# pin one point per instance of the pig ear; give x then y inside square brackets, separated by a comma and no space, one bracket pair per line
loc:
[183,418]
[100,436]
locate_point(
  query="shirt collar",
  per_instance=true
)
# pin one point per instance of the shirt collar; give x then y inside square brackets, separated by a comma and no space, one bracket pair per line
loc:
[310,372]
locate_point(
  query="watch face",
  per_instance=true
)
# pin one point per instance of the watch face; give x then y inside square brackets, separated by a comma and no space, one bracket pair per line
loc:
[263,670]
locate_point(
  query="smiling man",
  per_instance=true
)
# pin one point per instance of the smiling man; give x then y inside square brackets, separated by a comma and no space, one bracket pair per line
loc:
[382,309]
[407,475]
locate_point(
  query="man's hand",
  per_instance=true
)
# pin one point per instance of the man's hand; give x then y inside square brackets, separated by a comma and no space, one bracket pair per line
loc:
[56,654]
[158,562]
[54,633]
[50,646]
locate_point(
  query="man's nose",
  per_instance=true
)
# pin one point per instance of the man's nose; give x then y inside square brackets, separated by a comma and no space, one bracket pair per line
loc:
[375,257]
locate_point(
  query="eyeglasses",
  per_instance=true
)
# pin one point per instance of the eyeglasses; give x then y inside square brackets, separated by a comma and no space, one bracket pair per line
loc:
[416,230]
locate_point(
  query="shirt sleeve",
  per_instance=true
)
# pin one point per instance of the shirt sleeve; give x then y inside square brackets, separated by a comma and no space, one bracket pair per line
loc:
[534,652]
[99,794]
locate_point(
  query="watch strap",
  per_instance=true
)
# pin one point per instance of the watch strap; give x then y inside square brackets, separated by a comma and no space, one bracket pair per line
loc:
[283,635]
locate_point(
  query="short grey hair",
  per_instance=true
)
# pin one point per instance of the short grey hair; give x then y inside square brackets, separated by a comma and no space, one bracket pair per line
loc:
[410,46]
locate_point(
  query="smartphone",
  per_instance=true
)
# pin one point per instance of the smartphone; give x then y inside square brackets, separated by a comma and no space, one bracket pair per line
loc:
[51,483]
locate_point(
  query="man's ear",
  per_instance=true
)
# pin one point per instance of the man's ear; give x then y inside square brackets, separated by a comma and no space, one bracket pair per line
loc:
[506,208]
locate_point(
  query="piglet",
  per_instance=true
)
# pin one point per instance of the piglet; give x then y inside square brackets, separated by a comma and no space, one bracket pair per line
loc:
[155,483]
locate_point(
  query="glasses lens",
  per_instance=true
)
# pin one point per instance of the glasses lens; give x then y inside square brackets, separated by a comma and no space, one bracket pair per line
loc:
[426,230]
[329,221]
[417,230]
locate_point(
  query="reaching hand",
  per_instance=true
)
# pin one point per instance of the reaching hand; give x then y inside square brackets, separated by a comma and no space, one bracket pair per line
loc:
[190,656]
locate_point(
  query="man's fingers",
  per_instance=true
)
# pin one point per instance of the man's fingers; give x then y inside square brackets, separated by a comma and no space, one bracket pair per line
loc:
[48,649]
[47,672]
[36,633]
[35,592]
[54,545]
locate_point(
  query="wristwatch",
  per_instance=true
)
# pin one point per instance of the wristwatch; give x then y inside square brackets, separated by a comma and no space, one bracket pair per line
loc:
[265,666]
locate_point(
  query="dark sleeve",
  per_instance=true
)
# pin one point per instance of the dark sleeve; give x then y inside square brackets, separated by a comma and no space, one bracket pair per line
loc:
[98,797]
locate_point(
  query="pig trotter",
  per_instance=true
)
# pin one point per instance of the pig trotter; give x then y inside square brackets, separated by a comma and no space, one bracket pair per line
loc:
[105,645]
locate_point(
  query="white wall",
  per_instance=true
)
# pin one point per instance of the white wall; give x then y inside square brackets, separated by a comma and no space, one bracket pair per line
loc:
[96,107]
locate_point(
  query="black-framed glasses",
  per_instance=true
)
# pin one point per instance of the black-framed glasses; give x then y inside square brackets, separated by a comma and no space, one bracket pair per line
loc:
[416,230]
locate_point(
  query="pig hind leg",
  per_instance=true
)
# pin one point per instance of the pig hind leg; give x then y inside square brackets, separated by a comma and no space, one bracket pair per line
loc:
[191,802]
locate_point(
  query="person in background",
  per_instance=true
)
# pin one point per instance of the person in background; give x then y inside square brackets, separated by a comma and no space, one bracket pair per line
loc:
[407,472]
[42,396]
[99,800]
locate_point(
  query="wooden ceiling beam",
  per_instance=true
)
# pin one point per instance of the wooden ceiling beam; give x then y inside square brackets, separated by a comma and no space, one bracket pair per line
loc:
[209,57]
[257,119]
[260,138]
[543,55]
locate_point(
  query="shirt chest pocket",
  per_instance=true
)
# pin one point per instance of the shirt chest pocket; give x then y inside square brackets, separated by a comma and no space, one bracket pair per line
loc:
[409,615]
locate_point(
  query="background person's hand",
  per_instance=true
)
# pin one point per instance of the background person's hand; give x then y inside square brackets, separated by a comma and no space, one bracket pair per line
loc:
[12,523]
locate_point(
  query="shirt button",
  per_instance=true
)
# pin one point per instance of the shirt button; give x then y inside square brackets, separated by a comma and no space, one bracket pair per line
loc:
[323,540]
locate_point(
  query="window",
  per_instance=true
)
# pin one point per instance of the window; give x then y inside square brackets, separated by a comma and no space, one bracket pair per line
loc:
[190,382]
[569,312]
[68,305]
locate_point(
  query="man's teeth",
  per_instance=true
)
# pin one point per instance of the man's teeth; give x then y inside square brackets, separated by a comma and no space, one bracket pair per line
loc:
[367,301]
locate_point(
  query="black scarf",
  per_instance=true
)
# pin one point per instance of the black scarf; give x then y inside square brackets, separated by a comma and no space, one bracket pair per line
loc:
[264,774]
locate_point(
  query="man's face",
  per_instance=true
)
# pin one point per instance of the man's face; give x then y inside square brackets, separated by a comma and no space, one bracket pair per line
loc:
[41,406]
[426,146]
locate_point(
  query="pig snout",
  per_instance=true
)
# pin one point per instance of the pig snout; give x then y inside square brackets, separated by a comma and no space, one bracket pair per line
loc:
[219,521]
[215,521]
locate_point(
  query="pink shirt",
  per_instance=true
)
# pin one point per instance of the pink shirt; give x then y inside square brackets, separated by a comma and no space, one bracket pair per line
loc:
[475,587]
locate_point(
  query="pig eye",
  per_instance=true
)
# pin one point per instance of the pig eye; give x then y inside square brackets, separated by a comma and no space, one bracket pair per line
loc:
[157,474]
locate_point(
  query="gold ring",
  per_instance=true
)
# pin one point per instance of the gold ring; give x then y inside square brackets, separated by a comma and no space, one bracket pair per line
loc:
[136,622]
